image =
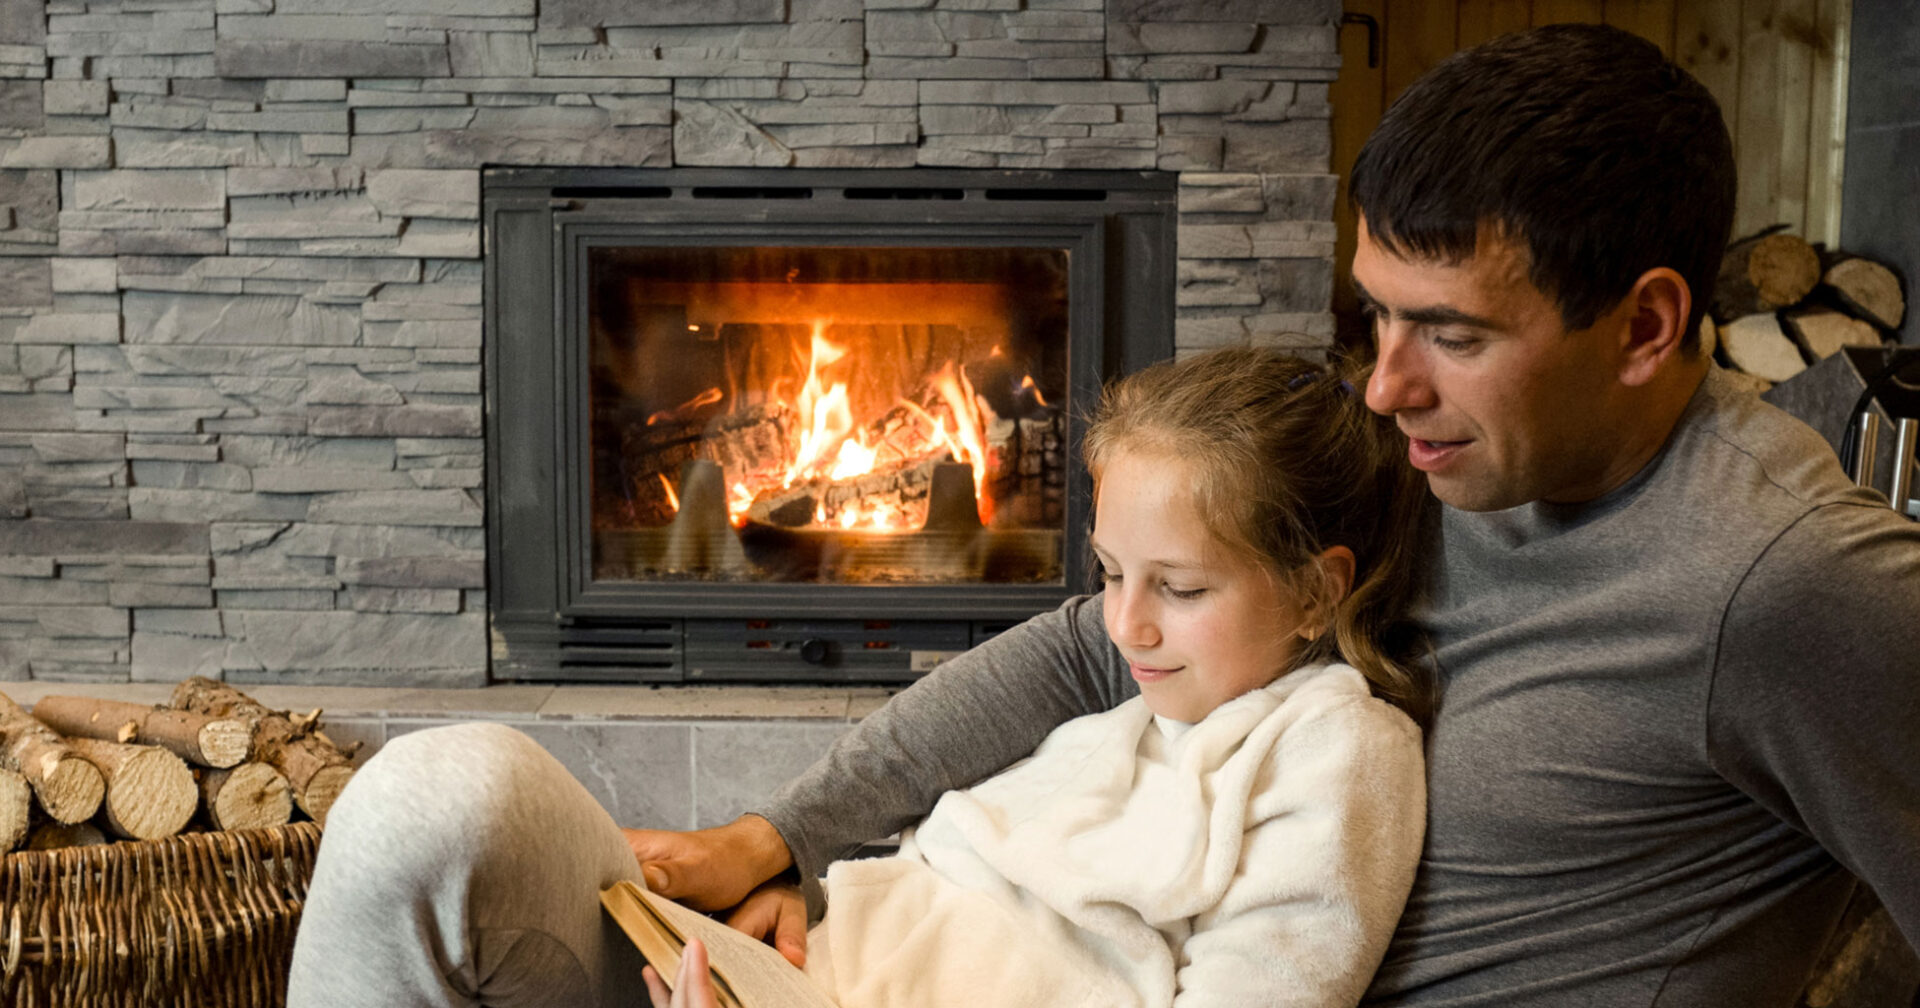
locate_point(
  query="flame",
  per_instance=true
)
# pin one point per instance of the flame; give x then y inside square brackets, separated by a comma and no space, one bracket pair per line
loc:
[957,392]
[673,499]
[707,398]
[1027,386]
[829,417]
[830,444]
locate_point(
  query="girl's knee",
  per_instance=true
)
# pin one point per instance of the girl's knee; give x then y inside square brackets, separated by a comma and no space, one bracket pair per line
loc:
[453,777]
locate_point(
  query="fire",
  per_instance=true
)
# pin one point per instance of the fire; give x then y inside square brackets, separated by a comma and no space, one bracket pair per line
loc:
[830,446]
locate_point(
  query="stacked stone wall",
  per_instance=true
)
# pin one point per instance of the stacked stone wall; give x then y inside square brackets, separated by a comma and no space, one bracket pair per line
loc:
[240,276]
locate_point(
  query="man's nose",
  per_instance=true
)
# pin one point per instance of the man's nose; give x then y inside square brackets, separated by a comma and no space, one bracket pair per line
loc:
[1399,380]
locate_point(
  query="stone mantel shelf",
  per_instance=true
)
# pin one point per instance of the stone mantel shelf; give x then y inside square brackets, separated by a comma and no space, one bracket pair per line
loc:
[519,702]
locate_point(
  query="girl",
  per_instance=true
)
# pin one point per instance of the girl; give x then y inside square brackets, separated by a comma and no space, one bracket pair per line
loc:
[1245,831]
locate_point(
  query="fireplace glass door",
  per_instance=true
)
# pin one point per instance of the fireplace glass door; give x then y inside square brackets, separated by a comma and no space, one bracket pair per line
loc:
[826,414]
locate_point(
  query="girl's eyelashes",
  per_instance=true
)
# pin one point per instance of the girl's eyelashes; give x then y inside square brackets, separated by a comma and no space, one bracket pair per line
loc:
[1180,594]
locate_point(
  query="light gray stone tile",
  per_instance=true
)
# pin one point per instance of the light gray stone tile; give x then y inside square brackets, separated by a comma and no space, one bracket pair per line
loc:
[629,146]
[161,505]
[56,152]
[396,507]
[207,319]
[640,773]
[360,598]
[696,702]
[361,643]
[235,600]
[135,595]
[738,766]
[81,275]
[326,58]
[169,657]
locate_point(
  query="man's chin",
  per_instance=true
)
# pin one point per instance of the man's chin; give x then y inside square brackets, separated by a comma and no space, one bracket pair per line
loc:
[1464,493]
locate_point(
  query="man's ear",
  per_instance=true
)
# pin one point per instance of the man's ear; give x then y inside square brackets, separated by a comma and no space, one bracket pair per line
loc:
[1656,325]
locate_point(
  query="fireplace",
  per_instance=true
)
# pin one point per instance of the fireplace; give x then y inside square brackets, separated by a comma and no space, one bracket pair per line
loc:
[799,425]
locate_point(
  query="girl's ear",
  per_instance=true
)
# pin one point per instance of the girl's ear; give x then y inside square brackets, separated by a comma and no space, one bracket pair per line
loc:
[1336,567]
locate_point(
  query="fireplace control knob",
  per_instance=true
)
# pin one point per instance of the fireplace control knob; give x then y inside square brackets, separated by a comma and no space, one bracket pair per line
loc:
[813,651]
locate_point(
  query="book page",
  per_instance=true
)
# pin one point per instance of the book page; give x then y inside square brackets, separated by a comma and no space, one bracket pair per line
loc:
[757,976]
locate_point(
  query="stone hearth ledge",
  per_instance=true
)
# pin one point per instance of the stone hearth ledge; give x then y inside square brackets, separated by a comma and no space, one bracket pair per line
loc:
[515,702]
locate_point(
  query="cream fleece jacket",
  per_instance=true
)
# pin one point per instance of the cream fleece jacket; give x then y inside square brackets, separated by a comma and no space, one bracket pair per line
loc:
[1259,858]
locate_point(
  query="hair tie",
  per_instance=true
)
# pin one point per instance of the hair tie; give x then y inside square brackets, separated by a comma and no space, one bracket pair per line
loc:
[1301,379]
[1347,387]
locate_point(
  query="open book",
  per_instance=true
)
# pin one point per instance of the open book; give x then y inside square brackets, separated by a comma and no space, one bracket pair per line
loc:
[746,972]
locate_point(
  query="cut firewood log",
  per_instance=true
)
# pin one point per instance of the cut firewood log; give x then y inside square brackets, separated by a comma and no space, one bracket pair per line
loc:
[1763,272]
[51,835]
[196,738]
[1757,345]
[1866,289]
[68,786]
[249,796]
[150,791]
[16,806]
[315,768]
[1822,333]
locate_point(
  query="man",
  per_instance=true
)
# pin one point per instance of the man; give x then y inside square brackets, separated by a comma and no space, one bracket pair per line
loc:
[1679,655]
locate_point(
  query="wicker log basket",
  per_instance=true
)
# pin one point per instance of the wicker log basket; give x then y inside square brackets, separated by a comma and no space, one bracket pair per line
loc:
[199,920]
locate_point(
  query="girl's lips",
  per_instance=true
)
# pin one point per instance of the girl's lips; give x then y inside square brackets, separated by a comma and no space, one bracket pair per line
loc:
[1148,674]
[1428,456]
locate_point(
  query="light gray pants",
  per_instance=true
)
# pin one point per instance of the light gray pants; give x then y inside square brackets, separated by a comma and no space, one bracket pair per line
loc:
[463,866]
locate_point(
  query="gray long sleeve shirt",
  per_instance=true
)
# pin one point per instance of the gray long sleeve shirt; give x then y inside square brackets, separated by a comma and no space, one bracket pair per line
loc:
[1675,723]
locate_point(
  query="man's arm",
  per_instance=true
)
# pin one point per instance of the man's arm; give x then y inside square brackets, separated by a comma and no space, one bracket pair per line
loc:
[974,715]
[1816,696]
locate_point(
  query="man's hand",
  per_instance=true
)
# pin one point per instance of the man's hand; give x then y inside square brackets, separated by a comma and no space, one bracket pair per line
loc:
[692,988]
[775,913]
[711,869]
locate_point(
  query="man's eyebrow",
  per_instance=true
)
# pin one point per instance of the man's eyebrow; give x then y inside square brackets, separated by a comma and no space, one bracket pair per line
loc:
[1442,315]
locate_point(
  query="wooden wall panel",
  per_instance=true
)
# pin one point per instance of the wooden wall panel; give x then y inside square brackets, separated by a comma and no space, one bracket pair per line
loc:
[1757,130]
[1480,20]
[1827,122]
[1418,34]
[1650,19]
[1562,11]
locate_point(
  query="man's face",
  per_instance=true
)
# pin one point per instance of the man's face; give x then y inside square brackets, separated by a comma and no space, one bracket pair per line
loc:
[1501,403]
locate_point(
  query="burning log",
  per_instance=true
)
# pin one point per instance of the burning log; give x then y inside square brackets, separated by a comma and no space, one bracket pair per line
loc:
[150,791]
[315,769]
[198,738]
[68,786]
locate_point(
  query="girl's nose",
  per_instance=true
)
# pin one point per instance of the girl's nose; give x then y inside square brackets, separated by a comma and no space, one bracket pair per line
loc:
[1130,619]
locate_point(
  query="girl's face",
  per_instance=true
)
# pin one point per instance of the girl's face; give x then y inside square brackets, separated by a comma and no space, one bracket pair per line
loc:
[1197,625]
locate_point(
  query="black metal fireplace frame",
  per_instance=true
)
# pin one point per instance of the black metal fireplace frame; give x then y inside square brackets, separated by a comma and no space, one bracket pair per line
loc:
[552,620]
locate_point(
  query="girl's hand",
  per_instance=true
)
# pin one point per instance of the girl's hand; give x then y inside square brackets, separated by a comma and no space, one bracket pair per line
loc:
[693,988]
[775,913]
[710,869]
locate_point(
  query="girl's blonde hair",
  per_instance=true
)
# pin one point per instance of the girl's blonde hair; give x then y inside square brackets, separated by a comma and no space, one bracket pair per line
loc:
[1287,462]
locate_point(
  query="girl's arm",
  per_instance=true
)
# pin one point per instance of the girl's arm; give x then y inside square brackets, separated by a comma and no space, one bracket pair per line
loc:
[971,717]
[1326,863]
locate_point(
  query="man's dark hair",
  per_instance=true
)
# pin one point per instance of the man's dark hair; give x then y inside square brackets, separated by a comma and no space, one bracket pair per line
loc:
[1582,142]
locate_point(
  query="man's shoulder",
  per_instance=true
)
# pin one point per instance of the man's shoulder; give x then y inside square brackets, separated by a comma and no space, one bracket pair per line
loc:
[1749,463]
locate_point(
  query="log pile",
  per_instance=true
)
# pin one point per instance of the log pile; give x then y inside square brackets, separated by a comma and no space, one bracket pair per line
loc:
[1781,304]
[81,770]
